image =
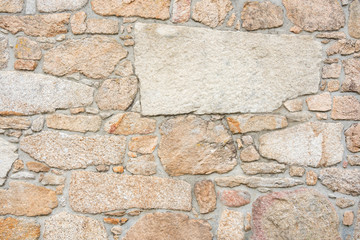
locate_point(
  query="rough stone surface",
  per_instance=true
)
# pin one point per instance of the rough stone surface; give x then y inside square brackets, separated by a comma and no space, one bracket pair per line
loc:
[348,218]
[7,157]
[299,214]
[311,178]
[295,171]
[314,144]
[331,35]
[357,224]
[315,15]
[37,167]
[333,85]
[117,94]
[205,196]
[30,93]
[130,123]
[331,71]
[78,123]
[181,11]
[52,179]
[73,151]
[352,137]
[23,176]
[14,123]
[163,226]
[66,226]
[191,145]
[124,69]
[243,75]
[341,180]
[344,202]
[354,160]
[211,12]
[135,8]
[18,229]
[59,5]
[343,47]
[231,226]
[257,182]
[235,198]
[143,144]
[26,48]
[249,154]
[48,25]
[354,19]
[262,168]
[95,57]
[320,102]
[11,6]
[26,65]
[352,75]
[143,165]
[345,108]
[294,105]
[78,24]
[100,192]
[27,199]
[102,26]
[4,53]
[38,124]
[261,15]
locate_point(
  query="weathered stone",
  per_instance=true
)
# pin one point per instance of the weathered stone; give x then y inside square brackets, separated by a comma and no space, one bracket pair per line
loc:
[78,24]
[36,25]
[26,48]
[26,199]
[95,57]
[7,157]
[23,176]
[314,144]
[231,226]
[4,52]
[354,18]
[53,179]
[102,26]
[37,167]
[235,198]
[299,214]
[261,15]
[29,93]
[73,151]
[321,116]
[231,20]
[235,60]
[344,202]
[311,178]
[64,226]
[352,137]
[345,108]
[296,171]
[18,229]
[26,65]
[143,144]
[116,230]
[315,15]
[181,11]
[352,75]
[123,192]
[143,165]
[341,180]
[129,42]
[211,12]
[133,8]
[262,168]
[191,145]
[256,182]
[59,5]
[11,6]
[116,94]
[205,196]
[255,123]
[14,123]
[343,47]
[78,123]
[247,139]
[118,169]
[18,165]
[331,35]
[130,123]
[333,85]
[354,160]
[348,218]
[320,102]
[357,224]
[331,60]
[124,69]
[331,71]
[249,154]
[294,105]
[38,124]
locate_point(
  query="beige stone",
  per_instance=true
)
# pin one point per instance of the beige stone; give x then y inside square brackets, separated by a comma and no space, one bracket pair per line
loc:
[211,12]
[341,180]
[26,48]
[296,171]
[117,94]
[299,214]
[312,144]
[257,182]
[133,8]
[235,198]
[163,226]
[357,224]
[345,108]
[19,229]
[320,102]
[143,144]
[231,225]
[130,123]
[348,218]
[37,167]
[191,145]
[26,65]
[116,230]
[311,178]
[295,29]
[18,165]
[261,15]
[315,15]
[331,60]
[344,202]
[352,75]
[249,154]
[52,179]
[331,35]
[14,123]
[262,168]
[124,69]
[205,196]
[8,156]
[181,11]
[4,52]
[333,85]
[331,71]
[73,151]
[294,105]
[343,47]
[65,226]
[48,25]
[11,6]
[102,192]
[354,160]
[95,57]
[142,165]
[59,5]
[247,139]
[27,199]
[354,18]
[352,137]
[38,124]
[78,24]
[78,123]
[102,26]
[231,20]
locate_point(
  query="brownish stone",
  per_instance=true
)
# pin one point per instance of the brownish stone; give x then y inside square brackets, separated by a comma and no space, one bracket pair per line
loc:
[205,196]
[344,202]
[11,6]
[124,69]
[294,105]
[354,19]
[352,136]
[14,123]
[18,165]
[341,180]
[102,26]
[345,108]
[348,218]
[118,169]
[311,178]
[235,198]
[231,226]
[262,168]
[296,171]
[331,71]
[112,220]
[343,47]
[78,24]
[26,48]
[249,154]
[26,65]
[320,102]
[331,35]
[211,12]
[18,229]
[37,167]
[143,144]
[142,165]
[181,11]
[352,75]
[78,123]
[333,85]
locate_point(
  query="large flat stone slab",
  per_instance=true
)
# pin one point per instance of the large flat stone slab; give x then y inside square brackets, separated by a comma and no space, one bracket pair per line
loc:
[186,69]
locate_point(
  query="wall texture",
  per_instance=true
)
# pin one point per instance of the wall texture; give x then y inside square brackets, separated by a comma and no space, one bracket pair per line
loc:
[179,119]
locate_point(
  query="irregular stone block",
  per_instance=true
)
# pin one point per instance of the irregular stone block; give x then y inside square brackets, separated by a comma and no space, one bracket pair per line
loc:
[345,108]
[344,202]
[205,196]
[7,156]
[249,154]
[143,144]
[331,71]
[235,198]
[59,5]
[26,65]
[341,180]
[181,11]
[26,48]
[256,182]
[100,192]
[352,75]
[294,105]
[314,144]
[102,26]
[343,47]
[78,24]
[78,123]
[4,52]
[211,12]
[19,229]
[37,167]
[352,137]
[14,123]
[262,168]
[242,76]
[231,226]
[354,19]
[321,102]
[11,6]
[143,165]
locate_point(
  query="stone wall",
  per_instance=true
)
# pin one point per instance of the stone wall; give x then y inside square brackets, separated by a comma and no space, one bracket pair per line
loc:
[179,119]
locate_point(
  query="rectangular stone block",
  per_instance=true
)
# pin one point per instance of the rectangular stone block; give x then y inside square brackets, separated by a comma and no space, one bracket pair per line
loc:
[186,69]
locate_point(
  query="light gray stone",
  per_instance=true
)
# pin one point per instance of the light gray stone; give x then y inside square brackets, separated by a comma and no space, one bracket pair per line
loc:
[185,69]
[30,93]
[30,7]
[60,5]
[256,182]
[346,181]
[4,52]
[314,144]
[23,175]
[7,156]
